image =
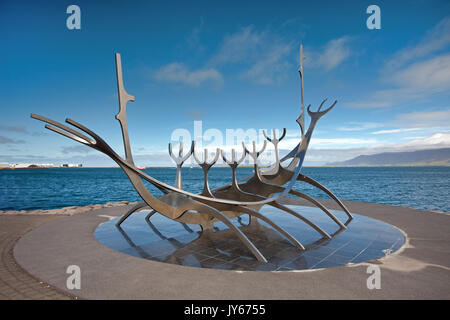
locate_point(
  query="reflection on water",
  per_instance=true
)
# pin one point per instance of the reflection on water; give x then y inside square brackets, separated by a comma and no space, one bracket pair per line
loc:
[165,240]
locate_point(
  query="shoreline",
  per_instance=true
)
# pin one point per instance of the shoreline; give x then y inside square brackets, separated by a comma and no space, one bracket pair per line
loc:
[66,211]
[71,210]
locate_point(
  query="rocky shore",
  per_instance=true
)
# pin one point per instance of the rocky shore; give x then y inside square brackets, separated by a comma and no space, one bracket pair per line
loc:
[68,211]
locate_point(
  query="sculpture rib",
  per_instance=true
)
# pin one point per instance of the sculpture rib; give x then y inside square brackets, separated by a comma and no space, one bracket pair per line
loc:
[318,204]
[150,214]
[257,183]
[133,209]
[235,191]
[318,185]
[221,217]
[203,209]
[273,224]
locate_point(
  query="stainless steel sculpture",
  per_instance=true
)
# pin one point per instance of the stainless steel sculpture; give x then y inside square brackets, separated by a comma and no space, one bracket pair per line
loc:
[246,196]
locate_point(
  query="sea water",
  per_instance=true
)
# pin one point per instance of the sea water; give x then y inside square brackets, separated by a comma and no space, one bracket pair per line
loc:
[425,188]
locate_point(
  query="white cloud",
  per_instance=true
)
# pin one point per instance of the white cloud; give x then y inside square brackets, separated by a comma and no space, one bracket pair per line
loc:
[437,140]
[320,143]
[178,73]
[321,151]
[6,140]
[424,77]
[269,57]
[76,149]
[406,122]
[396,130]
[415,71]
[271,68]
[336,154]
[193,40]
[360,126]
[334,53]
[368,104]
[419,80]
[239,46]
[264,56]
[341,141]
[430,119]
[434,40]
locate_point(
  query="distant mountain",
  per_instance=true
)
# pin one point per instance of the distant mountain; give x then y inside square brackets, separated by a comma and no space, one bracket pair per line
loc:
[438,157]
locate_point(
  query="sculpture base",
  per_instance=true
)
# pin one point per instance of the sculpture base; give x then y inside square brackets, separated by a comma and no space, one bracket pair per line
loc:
[165,240]
[418,270]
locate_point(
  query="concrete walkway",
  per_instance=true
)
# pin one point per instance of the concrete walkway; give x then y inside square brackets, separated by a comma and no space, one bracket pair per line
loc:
[419,270]
[15,283]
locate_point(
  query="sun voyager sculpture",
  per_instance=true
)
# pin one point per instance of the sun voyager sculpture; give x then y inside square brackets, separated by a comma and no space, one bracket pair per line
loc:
[245,196]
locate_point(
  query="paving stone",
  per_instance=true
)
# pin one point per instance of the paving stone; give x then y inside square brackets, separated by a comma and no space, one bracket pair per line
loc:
[16,283]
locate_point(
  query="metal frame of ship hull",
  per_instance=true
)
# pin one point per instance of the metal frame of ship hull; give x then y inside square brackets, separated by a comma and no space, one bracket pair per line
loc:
[246,196]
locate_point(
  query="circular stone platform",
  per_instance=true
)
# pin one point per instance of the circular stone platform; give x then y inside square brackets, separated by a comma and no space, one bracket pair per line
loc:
[420,269]
[164,240]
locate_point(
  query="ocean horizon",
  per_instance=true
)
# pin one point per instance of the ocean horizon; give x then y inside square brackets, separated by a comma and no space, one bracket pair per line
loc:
[423,188]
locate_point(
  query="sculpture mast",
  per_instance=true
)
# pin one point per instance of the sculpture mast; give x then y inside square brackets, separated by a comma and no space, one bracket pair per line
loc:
[301,119]
[124,97]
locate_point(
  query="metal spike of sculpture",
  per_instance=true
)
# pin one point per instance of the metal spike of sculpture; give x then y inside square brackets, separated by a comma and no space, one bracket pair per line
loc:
[246,196]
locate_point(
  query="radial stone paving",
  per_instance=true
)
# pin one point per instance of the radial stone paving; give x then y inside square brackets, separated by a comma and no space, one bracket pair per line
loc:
[165,240]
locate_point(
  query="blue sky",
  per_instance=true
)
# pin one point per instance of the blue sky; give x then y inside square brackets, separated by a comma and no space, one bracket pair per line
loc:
[229,64]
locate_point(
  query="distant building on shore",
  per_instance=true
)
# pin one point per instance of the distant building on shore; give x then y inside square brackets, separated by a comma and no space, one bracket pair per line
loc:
[5,165]
[72,165]
[21,165]
[31,165]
